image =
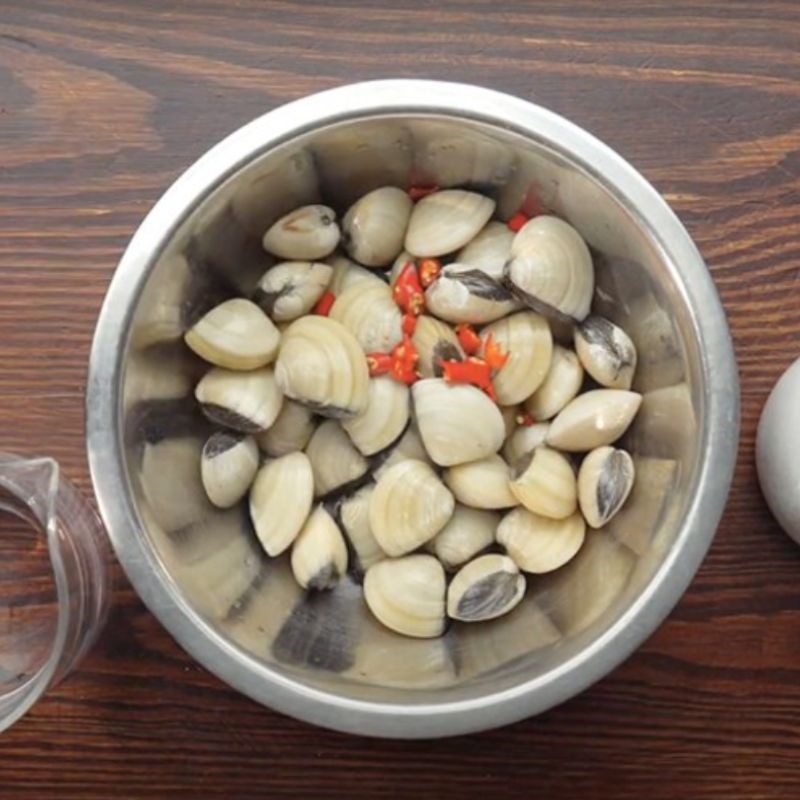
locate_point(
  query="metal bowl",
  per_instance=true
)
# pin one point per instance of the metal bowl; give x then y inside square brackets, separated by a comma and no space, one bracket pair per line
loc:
[320,657]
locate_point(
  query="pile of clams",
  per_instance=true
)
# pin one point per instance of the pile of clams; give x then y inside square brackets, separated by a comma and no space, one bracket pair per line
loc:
[391,401]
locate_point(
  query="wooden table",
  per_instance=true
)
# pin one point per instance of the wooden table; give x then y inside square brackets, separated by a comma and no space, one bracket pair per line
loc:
[102,104]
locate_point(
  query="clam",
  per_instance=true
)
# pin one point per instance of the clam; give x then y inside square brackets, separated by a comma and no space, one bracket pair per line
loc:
[407,595]
[244,401]
[292,288]
[280,501]
[375,226]
[486,588]
[408,446]
[561,384]
[481,484]
[606,352]
[523,440]
[290,432]
[319,554]
[469,531]
[539,544]
[443,222]
[465,294]
[605,480]
[593,419]
[489,250]
[369,312]
[544,482]
[228,466]
[510,414]
[550,268]
[525,337]
[457,423]
[409,506]
[383,420]
[236,335]
[306,234]
[321,365]
[334,461]
[346,273]
[435,341]
[354,519]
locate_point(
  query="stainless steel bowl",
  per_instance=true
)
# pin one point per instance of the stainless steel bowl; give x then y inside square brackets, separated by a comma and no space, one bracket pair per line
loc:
[320,657]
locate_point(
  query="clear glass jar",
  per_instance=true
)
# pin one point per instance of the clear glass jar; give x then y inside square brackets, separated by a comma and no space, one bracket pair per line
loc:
[54,580]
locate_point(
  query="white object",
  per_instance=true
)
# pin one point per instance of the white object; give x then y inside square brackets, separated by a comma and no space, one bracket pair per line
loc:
[776,451]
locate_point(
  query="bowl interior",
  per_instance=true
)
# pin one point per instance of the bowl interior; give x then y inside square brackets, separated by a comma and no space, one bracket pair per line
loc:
[328,641]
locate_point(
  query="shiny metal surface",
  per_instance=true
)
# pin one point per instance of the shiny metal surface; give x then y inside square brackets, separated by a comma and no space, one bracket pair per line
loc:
[321,658]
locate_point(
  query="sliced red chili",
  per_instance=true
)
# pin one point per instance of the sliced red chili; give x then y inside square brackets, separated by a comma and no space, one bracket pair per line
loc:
[473,371]
[419,191]
[468,339]
[517,221]
[379,364]
[493,353]
[429,269]
[404,360]
[525,420]
[409,324]
[325,304]
[407,290]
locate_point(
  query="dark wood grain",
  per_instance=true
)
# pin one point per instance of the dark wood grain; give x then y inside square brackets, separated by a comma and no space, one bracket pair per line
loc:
[103,103]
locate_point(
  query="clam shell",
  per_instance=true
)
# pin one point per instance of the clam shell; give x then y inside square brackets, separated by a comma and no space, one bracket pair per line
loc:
[445,221]
[606,352]
[465,294]
[561,384]
[335,462]
[354,519]
[525,337]
[290,432]
[605,480]
[523,440]
[305,234]
[468,531]
[375,226]
[319,554]
[489,250]
[593,419]
[235,335]
[540,544]
[228,466]
[383,420]
[544,482]
[290,289]
[435,340]
[482,484]
[369,312]
[551,269]
[484,589]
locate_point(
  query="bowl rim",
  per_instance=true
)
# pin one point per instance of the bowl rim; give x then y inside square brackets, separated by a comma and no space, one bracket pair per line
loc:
[103,412]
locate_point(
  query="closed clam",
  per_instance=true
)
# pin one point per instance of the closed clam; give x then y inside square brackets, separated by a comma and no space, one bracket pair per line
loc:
[468,532]
[397,266]
[457,423]
[305,234]
[465,294]
[561,384]
[368,311]
[524,439]
[540,544]
[409,506]
[444,221]
[550,268]
[486,588]
[482,484]
[489,250]
[605,480]
[544,482]
[354,519]
[244,401]
[228,466]
[347,273]
[236,335]
[321,364]
[335,462]
[525,338]
[290,432]
[384,418]
[606,352]
[374,227]
[292,288]
[280,500]
[409,445]
[435,341]
[593,419]
[407,595]
[319,554]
